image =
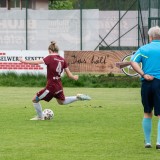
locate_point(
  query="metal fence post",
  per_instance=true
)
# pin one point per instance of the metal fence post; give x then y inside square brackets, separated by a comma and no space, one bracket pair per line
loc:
[138,23]
[26,24]
[119,26]
[81,7]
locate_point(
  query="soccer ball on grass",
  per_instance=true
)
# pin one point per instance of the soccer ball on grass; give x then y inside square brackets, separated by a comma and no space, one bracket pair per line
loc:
[48,114]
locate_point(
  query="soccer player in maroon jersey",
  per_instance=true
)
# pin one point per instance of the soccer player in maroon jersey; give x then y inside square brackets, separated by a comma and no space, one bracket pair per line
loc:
[55,66]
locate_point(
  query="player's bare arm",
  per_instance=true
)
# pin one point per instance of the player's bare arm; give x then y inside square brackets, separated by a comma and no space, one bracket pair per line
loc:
[121,65]
[31,62]
[70,75]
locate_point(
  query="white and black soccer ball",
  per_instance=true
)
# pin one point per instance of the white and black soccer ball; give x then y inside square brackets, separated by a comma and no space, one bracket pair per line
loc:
[48,114]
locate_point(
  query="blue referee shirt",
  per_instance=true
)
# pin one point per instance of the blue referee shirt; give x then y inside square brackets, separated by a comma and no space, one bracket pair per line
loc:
[149,56]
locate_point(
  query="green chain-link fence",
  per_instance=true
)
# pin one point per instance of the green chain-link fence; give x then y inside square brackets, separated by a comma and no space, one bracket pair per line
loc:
[82,24]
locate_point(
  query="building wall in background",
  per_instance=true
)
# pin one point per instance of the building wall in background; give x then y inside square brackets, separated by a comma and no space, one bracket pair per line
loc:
[21,4]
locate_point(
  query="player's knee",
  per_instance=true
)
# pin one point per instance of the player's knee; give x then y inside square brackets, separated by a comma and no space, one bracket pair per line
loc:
[60,102]
[35,100]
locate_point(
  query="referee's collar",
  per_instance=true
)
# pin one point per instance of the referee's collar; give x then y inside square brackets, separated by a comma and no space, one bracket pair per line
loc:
[157,40]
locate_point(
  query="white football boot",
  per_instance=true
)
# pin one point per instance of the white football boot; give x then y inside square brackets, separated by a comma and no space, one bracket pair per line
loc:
[36,118]
[83,97]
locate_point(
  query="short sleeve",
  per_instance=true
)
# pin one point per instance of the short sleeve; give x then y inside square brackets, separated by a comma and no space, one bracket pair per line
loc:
[137,57]
[65,64]
[46,60]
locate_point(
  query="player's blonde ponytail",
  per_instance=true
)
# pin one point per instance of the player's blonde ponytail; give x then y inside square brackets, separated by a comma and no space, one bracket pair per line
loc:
[53,47]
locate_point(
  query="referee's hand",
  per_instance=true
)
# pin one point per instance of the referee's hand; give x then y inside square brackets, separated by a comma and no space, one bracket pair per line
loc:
[148,77]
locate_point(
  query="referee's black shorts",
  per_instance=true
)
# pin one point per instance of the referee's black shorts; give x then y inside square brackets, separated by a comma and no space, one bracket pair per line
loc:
[150,93]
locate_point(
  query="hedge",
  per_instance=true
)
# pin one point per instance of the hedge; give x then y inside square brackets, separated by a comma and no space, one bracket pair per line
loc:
[85,80]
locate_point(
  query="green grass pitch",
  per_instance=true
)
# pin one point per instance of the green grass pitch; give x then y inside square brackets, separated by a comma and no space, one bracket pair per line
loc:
[106,128]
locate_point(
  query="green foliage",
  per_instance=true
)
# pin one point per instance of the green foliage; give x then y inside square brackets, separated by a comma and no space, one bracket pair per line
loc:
[103,81]
[58,5]
[90,80]
[12,79]
[110,74]
[93,4]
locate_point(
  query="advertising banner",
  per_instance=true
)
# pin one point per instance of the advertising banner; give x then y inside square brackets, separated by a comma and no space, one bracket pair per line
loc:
[9,61]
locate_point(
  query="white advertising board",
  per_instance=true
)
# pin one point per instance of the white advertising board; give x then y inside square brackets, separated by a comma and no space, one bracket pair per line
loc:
[9,61]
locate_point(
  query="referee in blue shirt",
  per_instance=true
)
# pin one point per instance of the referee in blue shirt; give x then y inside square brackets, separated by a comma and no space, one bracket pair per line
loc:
[149,56]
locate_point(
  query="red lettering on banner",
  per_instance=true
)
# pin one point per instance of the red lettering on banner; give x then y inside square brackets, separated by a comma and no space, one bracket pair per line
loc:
[2,53]
[17,66]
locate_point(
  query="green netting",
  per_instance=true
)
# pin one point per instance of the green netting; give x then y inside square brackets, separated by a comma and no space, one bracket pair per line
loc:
[149,13]
[105,24]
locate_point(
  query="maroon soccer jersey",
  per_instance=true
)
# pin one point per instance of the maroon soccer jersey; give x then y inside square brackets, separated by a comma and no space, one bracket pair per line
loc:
[55,66]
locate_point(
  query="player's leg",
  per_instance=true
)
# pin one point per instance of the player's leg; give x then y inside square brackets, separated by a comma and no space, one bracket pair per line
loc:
[38,108]
[62,100]
[67,100]
[156,88]
[44,94]
[147,127]
[147,101]
[158,134]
